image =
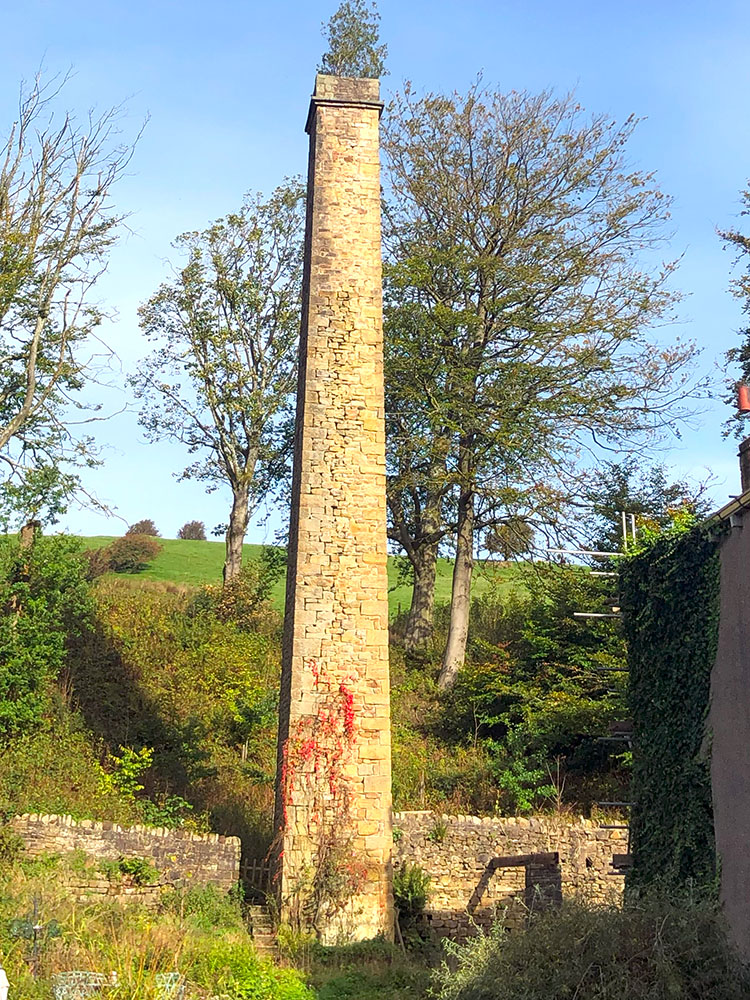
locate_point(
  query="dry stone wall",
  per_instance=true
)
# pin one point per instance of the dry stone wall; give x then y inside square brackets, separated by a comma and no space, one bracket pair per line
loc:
[182,858]
[457,853]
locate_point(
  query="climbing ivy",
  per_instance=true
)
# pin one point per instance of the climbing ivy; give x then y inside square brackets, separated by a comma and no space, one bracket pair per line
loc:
[670,600]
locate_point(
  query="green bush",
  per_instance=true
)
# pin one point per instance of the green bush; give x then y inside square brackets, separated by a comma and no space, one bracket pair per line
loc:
[11,846]
[129,940]
[655,950]
[206,907]
[132,553]
[227,967]
[57,769]
[45,601]
[244,601]
[139,870]
[411,890]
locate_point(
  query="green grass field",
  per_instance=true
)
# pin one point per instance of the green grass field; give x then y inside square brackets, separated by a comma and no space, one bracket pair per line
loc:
[193,564]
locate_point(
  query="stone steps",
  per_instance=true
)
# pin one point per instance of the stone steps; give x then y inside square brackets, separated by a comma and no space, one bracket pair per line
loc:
[261,929]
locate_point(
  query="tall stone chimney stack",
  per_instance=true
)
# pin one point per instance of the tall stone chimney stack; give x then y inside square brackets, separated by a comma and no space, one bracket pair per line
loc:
[333,809]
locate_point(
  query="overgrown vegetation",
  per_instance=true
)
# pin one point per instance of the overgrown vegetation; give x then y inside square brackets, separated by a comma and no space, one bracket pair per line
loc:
[45,602]
[158,703]
[520,728]
[652,950]
[200,934]
[411,891]
[365,970]
[137,705]
[670,596]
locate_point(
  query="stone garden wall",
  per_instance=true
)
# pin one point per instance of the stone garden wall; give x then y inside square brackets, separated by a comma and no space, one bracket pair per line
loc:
[182,858]
[466,890]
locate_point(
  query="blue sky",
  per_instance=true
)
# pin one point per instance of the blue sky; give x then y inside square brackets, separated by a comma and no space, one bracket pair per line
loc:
[227,84]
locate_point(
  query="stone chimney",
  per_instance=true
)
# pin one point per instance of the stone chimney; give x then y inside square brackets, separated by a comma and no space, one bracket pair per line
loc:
[333,805]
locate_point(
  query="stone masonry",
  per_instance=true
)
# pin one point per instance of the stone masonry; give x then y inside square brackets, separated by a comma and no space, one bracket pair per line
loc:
[333,808]
[466,891]
[182,858]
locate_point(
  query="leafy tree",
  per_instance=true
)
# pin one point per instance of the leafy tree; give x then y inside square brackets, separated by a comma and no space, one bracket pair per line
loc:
[46,601]
[353,34]
[57,225]
[642,490]
[221,378]
[193,530]
[518,314]
[541,685]
[143,527]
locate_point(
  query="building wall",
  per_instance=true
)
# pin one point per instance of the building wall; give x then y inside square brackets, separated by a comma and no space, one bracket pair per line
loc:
[729,725]
[457,851]
[182,858]
[334,769]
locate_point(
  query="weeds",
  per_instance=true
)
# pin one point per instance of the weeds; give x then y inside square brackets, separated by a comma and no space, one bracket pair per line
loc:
[650,950]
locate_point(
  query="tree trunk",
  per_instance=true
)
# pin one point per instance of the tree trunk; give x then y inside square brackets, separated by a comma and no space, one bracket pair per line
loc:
[419,621]
[458,631]
[235,536]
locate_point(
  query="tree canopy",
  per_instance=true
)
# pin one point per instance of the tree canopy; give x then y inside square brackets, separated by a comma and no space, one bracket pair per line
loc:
[354,47]
[221,377]
[520,298]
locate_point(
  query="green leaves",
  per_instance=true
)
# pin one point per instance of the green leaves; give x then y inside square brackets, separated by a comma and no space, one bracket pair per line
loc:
[670,593]
[353,35]
[221,377]
[45,601]
[520,300]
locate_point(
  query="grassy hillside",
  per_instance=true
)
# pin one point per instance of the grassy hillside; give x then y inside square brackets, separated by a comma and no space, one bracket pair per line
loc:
[196,563]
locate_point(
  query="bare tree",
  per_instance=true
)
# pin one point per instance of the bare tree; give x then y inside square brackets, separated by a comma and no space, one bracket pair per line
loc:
[222,376]
[57,225]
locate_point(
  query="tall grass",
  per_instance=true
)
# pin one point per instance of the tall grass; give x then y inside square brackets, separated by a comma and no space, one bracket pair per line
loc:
[200,934]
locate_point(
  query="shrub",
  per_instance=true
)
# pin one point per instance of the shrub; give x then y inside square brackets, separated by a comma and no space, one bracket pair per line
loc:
[244,601]
[143,527]
[206,907]
[652,950]
[232,967]
[193,530]
[411,890]
[97,562]
[133,553]
[46,601]
[136,944]
[139,870]
[56,769]
[11,846]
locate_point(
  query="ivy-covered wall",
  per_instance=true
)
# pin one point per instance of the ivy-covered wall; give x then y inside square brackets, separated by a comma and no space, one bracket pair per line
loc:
[671,605]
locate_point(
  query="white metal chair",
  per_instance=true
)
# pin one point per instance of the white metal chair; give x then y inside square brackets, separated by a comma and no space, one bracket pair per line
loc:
[78,984]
